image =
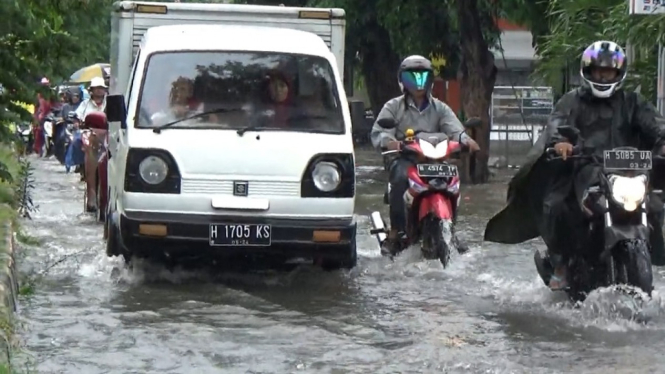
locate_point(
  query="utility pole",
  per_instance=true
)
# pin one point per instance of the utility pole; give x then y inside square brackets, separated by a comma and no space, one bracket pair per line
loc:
[653,7]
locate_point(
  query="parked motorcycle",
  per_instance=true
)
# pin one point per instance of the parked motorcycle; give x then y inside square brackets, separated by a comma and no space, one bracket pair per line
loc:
[618,249]
[433,195]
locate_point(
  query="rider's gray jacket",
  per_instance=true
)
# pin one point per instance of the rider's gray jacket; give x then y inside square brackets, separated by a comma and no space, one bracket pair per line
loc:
[437,117]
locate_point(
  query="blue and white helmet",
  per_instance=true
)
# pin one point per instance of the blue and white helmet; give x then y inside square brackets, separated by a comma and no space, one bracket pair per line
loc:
[603,55]
[415,73]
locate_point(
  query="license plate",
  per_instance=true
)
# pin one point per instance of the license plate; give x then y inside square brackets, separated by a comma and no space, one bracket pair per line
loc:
[437,170]
[240,235]
[627,160]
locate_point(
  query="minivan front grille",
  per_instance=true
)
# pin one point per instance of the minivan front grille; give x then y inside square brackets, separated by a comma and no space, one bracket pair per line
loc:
[254,188]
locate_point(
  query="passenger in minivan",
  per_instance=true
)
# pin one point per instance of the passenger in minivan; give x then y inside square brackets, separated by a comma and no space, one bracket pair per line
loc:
[280,100]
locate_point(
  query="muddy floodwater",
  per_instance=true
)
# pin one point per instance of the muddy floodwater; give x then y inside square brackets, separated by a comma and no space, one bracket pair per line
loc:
[487,313]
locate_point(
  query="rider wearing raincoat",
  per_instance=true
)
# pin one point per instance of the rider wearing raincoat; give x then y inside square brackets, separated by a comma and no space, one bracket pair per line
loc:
[543,197]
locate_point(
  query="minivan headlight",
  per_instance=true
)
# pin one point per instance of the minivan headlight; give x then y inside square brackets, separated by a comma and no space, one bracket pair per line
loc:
[153,170]
[326,176]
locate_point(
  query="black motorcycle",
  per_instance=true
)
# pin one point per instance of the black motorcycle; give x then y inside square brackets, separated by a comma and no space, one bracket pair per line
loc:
[63,136]
[617,250]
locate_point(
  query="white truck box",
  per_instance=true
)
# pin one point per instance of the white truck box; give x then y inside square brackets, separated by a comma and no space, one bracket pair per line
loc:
[131,19]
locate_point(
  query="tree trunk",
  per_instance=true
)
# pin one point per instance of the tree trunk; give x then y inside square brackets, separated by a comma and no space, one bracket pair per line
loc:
[477,74]
[379,66]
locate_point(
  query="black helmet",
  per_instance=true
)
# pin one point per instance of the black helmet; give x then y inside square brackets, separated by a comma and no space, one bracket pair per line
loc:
[415,73]
[607,55]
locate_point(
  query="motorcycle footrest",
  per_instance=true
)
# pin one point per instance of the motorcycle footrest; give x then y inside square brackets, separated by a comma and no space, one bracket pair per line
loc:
[378,231]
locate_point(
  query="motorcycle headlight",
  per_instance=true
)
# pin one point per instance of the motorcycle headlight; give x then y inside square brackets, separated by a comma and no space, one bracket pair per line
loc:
[153,170]
[628,192]
[326,176]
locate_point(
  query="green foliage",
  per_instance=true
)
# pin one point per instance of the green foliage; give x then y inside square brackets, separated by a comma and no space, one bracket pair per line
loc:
[414,26]
[574,24]
[528,13]
[23,190]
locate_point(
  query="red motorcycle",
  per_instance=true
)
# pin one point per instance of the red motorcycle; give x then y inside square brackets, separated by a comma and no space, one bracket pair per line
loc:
[95,135]
[433,195]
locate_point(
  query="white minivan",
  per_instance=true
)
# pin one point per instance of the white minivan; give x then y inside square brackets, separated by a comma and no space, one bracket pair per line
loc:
[232,141]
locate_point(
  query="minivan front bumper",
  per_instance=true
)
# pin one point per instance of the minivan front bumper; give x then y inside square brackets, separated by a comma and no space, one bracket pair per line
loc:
[188,234]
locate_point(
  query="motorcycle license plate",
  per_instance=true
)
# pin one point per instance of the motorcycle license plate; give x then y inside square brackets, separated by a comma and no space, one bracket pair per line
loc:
[627,160]
[437,170]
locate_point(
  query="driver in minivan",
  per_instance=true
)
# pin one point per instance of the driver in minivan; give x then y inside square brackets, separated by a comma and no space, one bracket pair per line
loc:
[182,103]
[416,109]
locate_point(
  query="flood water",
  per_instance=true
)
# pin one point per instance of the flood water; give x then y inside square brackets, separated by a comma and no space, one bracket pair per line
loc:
[487,313]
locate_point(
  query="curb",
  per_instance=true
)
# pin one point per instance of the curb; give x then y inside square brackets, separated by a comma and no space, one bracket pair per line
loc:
[9,291]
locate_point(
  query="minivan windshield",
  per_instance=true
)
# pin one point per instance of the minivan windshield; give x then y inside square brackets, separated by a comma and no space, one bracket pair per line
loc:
[264,90]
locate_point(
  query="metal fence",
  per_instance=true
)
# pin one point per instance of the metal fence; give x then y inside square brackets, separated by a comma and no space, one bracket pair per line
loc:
[518,115]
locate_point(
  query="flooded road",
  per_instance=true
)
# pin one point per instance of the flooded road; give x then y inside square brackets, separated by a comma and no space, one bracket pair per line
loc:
[487,313]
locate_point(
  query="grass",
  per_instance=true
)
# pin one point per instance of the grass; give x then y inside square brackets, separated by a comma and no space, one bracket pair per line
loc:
[8,214]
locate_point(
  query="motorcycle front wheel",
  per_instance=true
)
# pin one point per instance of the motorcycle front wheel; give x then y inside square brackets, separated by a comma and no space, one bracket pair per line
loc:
[437,234]
[637,263]
[630,264]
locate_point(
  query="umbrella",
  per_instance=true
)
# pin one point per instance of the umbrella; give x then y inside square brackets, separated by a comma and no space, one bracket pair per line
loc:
[86,74]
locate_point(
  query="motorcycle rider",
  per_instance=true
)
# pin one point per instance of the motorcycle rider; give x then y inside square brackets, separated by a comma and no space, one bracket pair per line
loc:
[44,106]
[415,109]
[73,95]
[96,103]
[544,198]
[97,100]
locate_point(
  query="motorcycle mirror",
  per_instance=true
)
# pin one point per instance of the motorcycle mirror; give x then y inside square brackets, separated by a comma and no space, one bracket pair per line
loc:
[570,133]
[387,123]
[473,123]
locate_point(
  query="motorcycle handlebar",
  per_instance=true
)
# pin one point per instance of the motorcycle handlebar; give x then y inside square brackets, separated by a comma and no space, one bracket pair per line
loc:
[577,153]
[464,147]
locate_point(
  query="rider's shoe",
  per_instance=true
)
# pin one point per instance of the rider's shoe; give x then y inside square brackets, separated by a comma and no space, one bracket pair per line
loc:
[393,243]
[559,281]
[389,247]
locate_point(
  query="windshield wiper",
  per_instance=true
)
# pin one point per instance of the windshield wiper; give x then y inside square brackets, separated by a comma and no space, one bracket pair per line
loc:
[159,129]
[243,130]
[297,118]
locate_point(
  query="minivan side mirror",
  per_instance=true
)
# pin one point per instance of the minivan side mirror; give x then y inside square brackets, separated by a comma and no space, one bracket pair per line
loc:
[116,111]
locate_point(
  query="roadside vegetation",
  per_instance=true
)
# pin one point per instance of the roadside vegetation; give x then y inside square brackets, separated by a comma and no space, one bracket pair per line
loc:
[15,204]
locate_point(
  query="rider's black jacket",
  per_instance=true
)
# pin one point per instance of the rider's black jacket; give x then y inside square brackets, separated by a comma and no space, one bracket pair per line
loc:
[625,119]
